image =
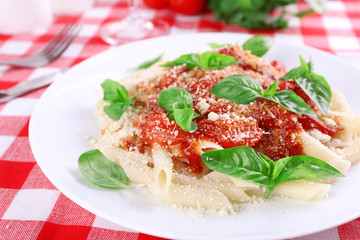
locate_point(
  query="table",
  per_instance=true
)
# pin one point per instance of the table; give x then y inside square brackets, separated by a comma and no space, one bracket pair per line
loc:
[30,206]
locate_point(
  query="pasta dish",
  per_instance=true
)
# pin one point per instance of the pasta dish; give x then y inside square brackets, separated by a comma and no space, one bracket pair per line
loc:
[190,128]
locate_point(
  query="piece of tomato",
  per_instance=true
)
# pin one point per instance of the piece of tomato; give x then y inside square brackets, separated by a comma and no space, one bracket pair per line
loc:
[187,7]
[157,4]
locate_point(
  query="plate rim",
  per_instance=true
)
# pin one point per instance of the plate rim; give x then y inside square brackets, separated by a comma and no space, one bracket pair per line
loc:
[100,213]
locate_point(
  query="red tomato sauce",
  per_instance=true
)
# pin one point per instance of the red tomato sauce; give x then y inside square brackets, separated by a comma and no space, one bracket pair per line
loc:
[263,125]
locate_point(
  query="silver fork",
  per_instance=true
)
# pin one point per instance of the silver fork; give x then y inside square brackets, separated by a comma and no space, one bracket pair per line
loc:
[51,51]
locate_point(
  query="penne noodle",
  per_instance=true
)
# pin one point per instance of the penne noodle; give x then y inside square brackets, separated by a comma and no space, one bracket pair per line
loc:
[156,151]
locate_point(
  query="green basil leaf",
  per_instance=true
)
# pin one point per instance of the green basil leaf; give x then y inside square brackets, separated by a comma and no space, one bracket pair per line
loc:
[184,117]
[170,96]
[270,91]
[304,167]
[292,74]
[193,127]
[149,63]
[253,14]
[304,13]
[114,91]
[101,171]
[244,163]
[305,68]
[270,162]
[258,44]
[191,60]
[117,97]
[292,102]
[116,109]
[317,88]
[216,46]
[240,89]
[213,60]
[300,72]
[178,103]
[240,162]
[207,60]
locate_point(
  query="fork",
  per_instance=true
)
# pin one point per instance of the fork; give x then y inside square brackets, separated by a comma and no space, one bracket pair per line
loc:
[51,51]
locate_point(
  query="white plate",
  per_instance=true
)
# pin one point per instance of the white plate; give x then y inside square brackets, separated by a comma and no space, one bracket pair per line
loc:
[64,119]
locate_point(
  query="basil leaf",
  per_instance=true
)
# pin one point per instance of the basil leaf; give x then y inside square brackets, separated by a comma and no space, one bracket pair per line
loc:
[170,96]
[270,91]
[207,60]
[292,102]
[244,163]
[304,13]
[305,68]
[216,46]
[315,86]
[149,63]
[258,44]
[252,14]
[193,126]
[213,60]
[243,89]
[117,97]
[178,103]
[240,89]
[191,60]
[240,162]
[300,72]
[114,91]
[184,117]
[304,167]
[116,109]
[101,171]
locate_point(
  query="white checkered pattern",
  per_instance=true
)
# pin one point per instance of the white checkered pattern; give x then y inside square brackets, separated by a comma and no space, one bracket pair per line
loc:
[30,206]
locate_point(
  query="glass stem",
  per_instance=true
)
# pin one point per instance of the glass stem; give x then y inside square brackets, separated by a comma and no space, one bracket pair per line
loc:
[133,5]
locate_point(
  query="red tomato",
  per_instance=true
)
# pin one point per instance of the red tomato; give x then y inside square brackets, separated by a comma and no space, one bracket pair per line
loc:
[157,3]
[187,7]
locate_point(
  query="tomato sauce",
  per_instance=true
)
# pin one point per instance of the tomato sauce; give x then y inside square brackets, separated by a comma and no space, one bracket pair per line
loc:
[263,124]
[307,122]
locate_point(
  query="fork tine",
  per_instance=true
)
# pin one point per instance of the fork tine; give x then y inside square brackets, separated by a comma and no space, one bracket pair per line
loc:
[58,37]
[64,43]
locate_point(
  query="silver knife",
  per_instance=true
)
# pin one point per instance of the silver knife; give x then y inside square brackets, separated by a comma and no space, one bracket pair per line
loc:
[26,86]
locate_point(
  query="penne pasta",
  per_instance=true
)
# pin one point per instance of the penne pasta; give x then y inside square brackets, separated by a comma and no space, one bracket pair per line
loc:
[163,168]
[156,151]
[302,190]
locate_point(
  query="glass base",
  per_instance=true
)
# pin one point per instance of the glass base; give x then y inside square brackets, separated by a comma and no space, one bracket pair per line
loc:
[123,31]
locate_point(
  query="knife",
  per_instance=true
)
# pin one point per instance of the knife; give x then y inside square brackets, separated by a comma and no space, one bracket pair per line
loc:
[26,86]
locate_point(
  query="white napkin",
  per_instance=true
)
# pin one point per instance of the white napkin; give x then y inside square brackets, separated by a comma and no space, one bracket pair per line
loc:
[66,7]
[33,16]
[20,16]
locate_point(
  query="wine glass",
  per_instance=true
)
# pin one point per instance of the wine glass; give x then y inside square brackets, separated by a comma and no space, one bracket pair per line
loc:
[133,27]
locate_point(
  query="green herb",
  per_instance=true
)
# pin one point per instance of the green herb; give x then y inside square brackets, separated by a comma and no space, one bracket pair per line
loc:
[216,46]
[244,163]
[258,44]
[149,63]
[207,60]
[304,13]
[178,103]
[257,14]
[117,97]
[191,60]
[243,89]
[314,85]
[101,171]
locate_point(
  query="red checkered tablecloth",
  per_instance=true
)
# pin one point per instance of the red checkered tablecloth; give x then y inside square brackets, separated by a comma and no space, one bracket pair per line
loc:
[30,206]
